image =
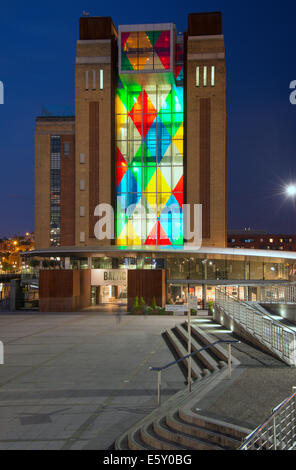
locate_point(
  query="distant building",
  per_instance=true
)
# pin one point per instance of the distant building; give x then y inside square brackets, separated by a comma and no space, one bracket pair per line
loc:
[259,240]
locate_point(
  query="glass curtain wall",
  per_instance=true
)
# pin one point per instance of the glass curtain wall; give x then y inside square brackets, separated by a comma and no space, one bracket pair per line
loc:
[149,150]
[55,190]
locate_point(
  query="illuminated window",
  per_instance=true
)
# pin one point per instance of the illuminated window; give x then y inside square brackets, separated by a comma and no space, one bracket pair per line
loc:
[82,185]
[55,190]
[149,164]
[82,211]
[213,75]
[86,79]
[101,79]
[82,237]
[205,75]
[145,50]
[197,76]
[271,240]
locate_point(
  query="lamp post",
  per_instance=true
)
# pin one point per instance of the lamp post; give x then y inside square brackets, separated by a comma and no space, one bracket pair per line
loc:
[291,190]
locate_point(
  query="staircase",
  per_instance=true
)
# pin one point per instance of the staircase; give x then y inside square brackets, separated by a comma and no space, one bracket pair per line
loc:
[204,363]
[176,424]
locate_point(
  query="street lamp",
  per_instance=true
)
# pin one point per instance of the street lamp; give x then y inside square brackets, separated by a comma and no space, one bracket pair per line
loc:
[291,190]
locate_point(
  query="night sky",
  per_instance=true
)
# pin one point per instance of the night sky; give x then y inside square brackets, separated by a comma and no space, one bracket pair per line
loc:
[37,57]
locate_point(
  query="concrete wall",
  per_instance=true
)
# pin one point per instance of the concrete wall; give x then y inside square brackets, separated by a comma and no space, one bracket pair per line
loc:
[283,310]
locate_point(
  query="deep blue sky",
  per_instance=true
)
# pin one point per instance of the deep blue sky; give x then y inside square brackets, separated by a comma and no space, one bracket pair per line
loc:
[37,55]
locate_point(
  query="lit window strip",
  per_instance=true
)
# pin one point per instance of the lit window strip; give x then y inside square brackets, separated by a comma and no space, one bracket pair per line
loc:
[213,75]
[197,76]
[86,79]
[101,79]
[205,75]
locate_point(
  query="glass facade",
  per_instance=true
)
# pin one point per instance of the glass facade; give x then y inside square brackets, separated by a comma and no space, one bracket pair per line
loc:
[149,147]
[145,50]
[55,190]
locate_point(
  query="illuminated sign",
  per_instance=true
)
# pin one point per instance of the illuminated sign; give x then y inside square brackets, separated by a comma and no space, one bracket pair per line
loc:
[108,277]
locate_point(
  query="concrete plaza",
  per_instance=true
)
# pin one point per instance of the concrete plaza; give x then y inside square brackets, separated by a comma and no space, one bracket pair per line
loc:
[79,380]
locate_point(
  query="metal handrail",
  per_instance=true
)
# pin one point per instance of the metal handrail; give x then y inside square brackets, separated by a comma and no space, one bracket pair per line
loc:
[247,304]
[281,338]
[270,419]
[160,369]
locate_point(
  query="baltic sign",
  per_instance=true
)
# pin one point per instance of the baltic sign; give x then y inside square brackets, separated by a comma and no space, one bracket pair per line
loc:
[108,277]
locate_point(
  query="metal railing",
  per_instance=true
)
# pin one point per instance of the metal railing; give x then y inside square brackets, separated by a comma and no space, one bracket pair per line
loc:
[279,338]
[279,430]
[170,364]
[277,294]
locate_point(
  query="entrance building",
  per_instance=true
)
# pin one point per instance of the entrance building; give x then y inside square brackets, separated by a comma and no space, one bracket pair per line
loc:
[119,276]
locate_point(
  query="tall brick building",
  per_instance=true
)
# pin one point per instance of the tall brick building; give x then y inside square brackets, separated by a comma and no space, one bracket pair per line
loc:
[149,128]
[148,132]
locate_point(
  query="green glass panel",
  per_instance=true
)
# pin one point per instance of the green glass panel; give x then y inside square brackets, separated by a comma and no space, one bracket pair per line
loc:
[120,224]
[148,158]
[133,95]
[148,172]
[122,93]
[125,63]
[153,36]
[167,121]
[137,160]
[166,106]
[137,172]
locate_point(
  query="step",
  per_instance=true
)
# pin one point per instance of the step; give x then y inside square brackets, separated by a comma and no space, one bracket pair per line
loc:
[162,429]
[196,372]
[196,359]
[208,362]
[207,339]
[212,424]
[157,442]
[181,398]
[175,422]
[135,442]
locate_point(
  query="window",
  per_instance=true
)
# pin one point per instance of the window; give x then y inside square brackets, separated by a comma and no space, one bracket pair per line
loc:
[55,189]
[145,50]
[82,211]
[94,79]
[101,79]
[82,185]
[197,76]
[205,75]
[66,149]
[82,158]
[271,240]
[213,75]
[86,79]
[82,237]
